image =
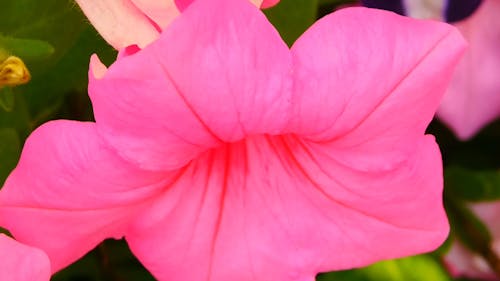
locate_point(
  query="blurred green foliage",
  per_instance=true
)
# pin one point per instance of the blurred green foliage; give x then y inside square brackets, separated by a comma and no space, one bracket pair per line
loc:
[292,18]
[110,261]
[473,185]
[10,148]
[56,41]
[418,268]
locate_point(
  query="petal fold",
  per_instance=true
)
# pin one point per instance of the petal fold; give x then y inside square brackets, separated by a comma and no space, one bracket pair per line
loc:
[210,78]
[21,262]
[120,22]
[69,192]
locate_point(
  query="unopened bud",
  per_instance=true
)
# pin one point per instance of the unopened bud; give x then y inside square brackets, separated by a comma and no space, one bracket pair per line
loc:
[13,72]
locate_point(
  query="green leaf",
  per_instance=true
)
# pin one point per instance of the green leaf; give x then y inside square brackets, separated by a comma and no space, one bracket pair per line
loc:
[469,229]
[417,268]
[27,49]
[292,17]
[7,99]
[471,185]
[414,268]
[10,149]
[55,22]
[62,92]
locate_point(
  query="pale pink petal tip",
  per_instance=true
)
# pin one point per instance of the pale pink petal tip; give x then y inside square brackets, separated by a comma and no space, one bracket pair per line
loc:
[97,68]
[21,262]
[120,22]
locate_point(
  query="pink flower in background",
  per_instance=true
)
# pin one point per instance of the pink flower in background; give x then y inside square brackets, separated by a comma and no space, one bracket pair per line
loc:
[464,263]
[473,99]
[220,154]
[21,262]
[137,22]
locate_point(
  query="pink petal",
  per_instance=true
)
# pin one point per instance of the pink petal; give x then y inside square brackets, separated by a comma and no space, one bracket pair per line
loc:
[183,4]
[69,192]
[21,262]
[371,83]
[269,3]
[97,69]
[120,22]
[356,184]
[204,82]
[161,12]
[278,208]
[473,99]
[286,172]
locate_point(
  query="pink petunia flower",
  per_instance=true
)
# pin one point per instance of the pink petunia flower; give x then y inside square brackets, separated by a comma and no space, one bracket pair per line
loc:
[461,261]
[21,262]
[473,99]
[220,154]
[137,22]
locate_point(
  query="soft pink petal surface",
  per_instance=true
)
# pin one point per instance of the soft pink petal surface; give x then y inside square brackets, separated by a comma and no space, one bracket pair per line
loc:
[163,106]
[69,192]
[274,207]
[21,262]
[222,155]
[473,98]
[121,22]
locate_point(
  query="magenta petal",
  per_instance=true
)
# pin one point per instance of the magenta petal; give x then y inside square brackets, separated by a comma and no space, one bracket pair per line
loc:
[277,208]
[473,98]
[269,3]
[204,82]
[69,192]
[22,263]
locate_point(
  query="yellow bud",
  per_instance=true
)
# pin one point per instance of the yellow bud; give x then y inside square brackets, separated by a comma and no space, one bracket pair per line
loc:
[13,72]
